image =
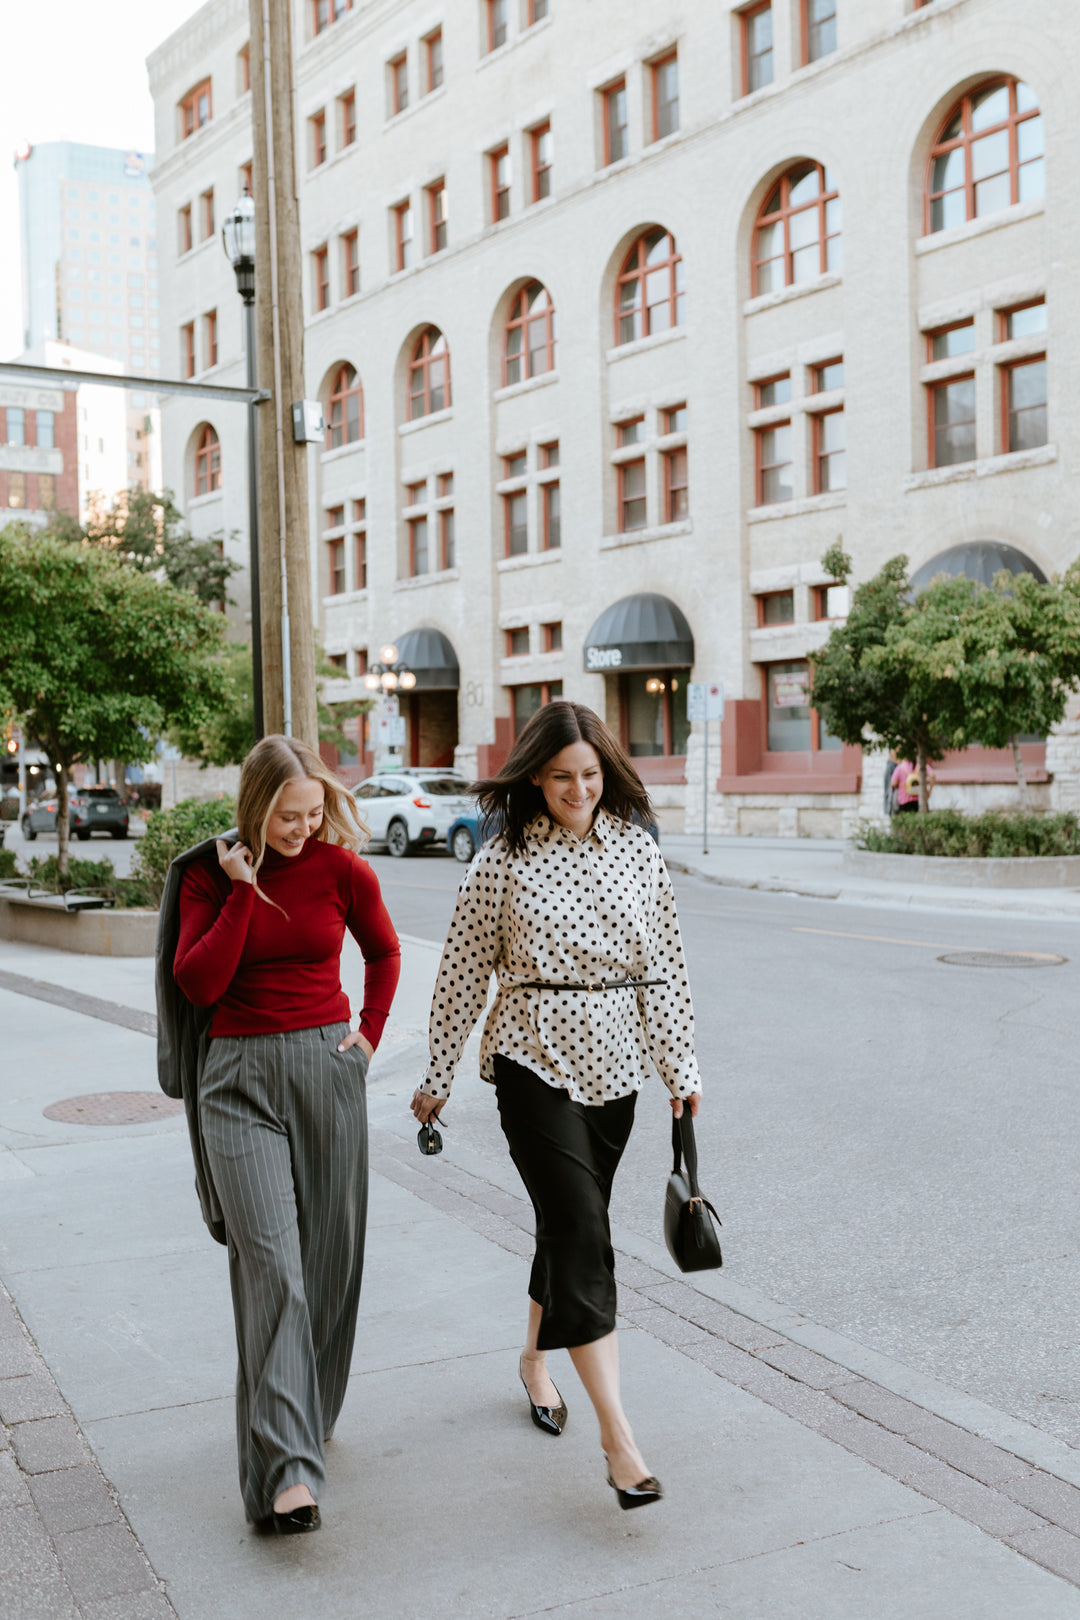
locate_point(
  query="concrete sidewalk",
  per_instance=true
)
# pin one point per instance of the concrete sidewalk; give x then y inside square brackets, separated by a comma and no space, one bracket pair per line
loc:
[815,867]
[805,1479]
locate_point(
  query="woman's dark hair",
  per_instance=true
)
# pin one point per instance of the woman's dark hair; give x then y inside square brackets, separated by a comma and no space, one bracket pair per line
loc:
[509,800]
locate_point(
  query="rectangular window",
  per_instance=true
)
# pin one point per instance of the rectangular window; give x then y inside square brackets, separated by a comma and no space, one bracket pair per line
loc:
[517,642]
[206,214]
[17,490]
[444,486]
[335,517]
[631,495]
[325,12]
[515,466]
[398,84]
[338,661]
[438,217]
[195,109]
[538,10]
[947,341]
[347,117]
[210,344]
[1024,400]
[317,139]
[830,452]
[499,179]
[819,29]
[187,350]
[774,464]
[652,713]
[773,391]
[665,96]
[832,601]
[243,65]
[16,425]
[526,700]
[46,430]
[433,61]
[952,422]
[415,494]
[757,46]
[674,419]
[516,523]
[320,278]
[549,454]
[552,634]
[403,236]
[616,123]
[540,146]
[446,536]
[47,492]
[335,558]
[1024,320]
[497,23]
[828,376]
[418,546]
[185,236]
[359,524]
[552,514]
[632,432]
[787,702]
[776,607]
[676,485]
[350,263]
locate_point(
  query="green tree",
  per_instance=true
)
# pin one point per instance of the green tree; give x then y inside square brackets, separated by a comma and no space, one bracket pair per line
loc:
[99,659]
[146,531]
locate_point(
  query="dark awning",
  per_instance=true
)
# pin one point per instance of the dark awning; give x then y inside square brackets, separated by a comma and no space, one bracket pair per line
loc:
[432,659]
[640,632]
[979,560]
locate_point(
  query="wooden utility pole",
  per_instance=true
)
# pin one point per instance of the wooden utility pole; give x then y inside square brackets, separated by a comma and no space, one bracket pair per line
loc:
[284,556]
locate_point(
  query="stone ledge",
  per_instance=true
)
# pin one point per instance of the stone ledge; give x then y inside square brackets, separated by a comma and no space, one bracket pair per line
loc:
[89,933]
[969,872]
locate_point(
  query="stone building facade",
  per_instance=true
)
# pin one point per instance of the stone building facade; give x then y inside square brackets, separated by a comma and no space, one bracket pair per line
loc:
[620,316]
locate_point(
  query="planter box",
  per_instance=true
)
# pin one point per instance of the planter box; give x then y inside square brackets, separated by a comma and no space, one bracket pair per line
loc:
[969,872]
[91,933]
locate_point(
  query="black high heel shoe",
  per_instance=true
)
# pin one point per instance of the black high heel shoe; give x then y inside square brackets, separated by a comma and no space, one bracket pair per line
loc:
[551,1419]
[298,1522]
[640,1495]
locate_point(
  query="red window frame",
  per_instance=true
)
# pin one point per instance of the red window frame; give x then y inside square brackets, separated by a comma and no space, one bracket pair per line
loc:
[196,108]
[511,530]
[187,239]
[434,66]
[326,12]
[429,371]
[806,26]
[335,572]
[438,217]
[244,60]
[335,517]
[746,17]
[1004,315]
[511,650]
[403,241]
[319,148]
[784,214]
[350,262]
[968,137]
[347,105]
[187,349]
[207,461]
[761,383]
[609,103]
[622,428]
[668,416]
[210,338]
[499,184]
[553,638]
[636,464]
[676,469]
[638,271]
[933,389]
[359,534]
[415,526]
[541,168]
[538,10]
[498,23]
[940,331]
[1007,412]
[445,516]
[531,309]
[820,455]
[551,515]
[320,274]
[762,467]
[772,596]
[815,718]
[206,214]
[398,69]
[655,69]
[344,422]
[549,453]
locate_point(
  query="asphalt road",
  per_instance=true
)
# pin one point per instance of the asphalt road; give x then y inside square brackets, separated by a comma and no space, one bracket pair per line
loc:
[891,1141]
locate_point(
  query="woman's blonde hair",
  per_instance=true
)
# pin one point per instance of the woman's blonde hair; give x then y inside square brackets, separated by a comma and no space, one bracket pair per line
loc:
[272,763]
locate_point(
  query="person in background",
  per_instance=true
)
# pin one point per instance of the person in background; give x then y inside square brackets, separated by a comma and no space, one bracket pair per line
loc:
[905,785]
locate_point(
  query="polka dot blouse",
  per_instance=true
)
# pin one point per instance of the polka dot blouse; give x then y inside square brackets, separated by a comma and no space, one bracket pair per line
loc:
[566,911]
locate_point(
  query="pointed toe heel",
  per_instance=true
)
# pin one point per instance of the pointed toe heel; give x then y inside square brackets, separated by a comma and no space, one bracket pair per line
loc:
[640,1495]
[549,1419]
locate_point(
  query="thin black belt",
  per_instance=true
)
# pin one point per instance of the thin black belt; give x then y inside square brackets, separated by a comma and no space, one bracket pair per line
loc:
[593,984]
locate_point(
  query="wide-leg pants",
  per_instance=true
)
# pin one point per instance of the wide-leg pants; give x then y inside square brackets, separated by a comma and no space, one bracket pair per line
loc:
[284,1121]
[567,1155]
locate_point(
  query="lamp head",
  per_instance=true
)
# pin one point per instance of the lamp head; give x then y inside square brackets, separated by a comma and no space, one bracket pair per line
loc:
[407,680]
[389,653]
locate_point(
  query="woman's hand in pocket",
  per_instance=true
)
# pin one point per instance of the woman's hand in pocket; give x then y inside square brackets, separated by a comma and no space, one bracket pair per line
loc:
[356,1039]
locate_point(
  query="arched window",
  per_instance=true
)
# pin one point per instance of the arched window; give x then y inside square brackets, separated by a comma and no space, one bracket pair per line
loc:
[649,297]
[988,156]
[429,375]
[207,461]
[797,234]
[344,408]
[530,335]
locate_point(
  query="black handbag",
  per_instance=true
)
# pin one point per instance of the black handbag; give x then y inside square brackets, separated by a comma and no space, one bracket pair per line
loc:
[689,1233]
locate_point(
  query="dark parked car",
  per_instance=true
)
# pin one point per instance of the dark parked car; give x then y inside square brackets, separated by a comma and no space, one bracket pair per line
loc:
[466,835]
[95,809]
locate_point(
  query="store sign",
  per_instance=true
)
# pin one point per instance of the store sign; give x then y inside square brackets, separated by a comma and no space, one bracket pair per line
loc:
[32,399]
[791,691]
[603,657]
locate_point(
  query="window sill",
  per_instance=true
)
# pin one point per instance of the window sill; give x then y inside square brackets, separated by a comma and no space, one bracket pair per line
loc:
[530,559]
[397,118]
[198,501]
[980,227]
[416,581]
[639,537]
[512,390]
[772,642]
[791,782]
[426,421]
[341,451]
[988,467]
[799,507]
[786,295]
[655,340]
[345,599]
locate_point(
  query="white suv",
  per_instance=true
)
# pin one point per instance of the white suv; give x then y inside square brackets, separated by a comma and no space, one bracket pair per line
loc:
[407,809]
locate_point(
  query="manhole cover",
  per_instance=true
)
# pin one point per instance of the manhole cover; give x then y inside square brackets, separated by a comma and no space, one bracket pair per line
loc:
[1002,959]
[115,1108]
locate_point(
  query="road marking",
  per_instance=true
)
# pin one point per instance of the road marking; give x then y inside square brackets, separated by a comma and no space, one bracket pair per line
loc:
[923,944]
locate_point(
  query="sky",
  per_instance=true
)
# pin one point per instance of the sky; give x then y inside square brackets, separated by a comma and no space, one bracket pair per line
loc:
[73,72]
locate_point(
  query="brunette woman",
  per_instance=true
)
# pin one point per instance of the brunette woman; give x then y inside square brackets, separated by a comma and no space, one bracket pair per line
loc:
[571,907]
[281,1108]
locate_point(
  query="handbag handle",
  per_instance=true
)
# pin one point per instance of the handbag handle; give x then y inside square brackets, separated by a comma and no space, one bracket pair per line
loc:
[684,1146]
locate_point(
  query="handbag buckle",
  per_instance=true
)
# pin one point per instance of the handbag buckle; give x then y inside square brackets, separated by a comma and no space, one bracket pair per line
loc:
[692,1201]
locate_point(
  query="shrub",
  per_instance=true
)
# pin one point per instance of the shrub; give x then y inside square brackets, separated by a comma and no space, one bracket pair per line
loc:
[992,835]
[170,832]
[8,868]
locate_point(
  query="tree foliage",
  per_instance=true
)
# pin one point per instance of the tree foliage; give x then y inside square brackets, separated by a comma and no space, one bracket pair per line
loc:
[146,531]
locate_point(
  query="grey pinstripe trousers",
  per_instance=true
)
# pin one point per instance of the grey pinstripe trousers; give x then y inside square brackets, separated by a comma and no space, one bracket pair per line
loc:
[284,1120]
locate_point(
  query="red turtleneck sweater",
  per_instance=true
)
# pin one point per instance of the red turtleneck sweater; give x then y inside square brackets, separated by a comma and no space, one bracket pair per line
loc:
[266,973]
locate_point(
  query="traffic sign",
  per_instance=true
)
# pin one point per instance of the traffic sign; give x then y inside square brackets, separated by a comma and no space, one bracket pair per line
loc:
[705,700]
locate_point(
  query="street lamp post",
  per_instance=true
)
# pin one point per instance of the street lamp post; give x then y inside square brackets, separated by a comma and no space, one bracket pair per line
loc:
[389,675]
[238,237]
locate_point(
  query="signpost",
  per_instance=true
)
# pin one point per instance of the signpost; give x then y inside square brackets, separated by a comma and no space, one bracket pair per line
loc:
[705,702]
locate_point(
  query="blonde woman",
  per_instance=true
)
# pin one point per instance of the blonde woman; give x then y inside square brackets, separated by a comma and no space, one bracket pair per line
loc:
[281,1104]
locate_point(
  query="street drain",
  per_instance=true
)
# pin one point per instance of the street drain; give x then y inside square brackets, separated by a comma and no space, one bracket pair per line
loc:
[114,1108]
[1002,959]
